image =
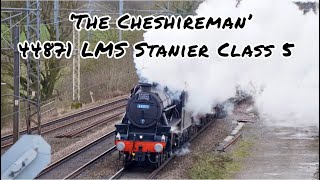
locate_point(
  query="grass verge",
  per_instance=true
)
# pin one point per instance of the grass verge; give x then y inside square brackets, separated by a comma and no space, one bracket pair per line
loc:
[214,165]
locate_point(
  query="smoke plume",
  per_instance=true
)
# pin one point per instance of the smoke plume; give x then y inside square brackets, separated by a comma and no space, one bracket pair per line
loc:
[286,90]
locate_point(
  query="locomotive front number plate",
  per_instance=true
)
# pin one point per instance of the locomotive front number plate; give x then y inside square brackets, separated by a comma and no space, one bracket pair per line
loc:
[143,106]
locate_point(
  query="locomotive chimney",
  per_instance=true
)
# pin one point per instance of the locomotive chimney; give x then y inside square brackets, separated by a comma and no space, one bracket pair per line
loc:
[145,87]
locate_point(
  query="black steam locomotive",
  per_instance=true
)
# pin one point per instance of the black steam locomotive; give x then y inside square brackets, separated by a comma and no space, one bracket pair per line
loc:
[154,125]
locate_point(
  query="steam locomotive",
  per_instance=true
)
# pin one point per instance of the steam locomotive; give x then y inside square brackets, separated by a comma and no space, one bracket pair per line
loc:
[154,125]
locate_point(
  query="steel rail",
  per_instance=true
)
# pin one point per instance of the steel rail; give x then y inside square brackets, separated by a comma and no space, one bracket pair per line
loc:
[70,123]
[74,153]
[9,136]
[88,164]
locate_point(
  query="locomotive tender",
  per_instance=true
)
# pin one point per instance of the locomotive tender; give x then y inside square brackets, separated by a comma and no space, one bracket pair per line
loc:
[154,125]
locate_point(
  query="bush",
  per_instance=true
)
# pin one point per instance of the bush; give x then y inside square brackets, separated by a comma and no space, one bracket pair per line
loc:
[76,105]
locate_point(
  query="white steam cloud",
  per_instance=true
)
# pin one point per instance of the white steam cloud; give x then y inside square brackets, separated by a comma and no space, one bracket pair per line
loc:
[290,85]
[184,150]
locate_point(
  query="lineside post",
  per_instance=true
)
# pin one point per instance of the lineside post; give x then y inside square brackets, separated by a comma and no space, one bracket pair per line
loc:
[16,82]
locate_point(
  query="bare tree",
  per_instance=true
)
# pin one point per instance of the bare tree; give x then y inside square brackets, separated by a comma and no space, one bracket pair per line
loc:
[50,68]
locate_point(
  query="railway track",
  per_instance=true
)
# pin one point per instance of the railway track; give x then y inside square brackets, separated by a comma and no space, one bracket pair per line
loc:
[83,129]
[85,166]
[118,174]
[6,140]
[146,175]
[74,163]
[90,161]
[233,141]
